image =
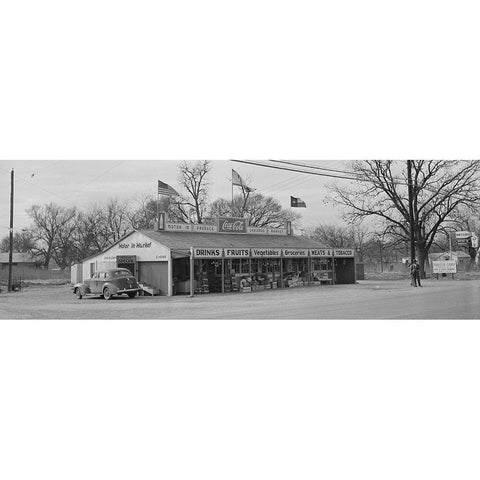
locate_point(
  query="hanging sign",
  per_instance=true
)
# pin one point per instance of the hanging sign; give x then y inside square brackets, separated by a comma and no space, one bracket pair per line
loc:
[321,252]
[266,252]
[236,252]
[199,252]
[295,252]
[344,252]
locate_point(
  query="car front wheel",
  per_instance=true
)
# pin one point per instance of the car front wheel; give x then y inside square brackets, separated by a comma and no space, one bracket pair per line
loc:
[107,295]
[78,293]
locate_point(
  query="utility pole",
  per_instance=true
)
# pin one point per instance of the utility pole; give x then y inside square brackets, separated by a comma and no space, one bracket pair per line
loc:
[410,210]
[10,255]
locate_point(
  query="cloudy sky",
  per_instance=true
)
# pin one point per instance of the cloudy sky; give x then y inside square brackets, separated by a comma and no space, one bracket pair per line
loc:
[81,183]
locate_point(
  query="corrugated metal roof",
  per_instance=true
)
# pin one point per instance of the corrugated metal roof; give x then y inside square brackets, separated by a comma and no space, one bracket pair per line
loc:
[185,240]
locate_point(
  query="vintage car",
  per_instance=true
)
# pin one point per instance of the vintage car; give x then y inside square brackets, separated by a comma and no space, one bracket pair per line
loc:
[106,283]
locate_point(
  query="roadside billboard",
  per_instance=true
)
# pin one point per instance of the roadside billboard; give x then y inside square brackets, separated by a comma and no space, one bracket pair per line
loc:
[444,266]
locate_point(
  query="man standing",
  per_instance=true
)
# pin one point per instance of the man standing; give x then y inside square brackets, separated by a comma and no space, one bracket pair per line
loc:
[415,273]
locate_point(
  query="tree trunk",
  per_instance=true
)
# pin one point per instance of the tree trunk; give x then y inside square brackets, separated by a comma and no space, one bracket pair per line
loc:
[422,257]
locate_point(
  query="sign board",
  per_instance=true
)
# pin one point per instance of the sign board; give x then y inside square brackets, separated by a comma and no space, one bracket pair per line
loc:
[257,230]
[344,252]
[463,235]
[295,252]
[321,252]
[224,225]
[126,259]
[178,227]
[204,228]
[232,225]
[199,252]
[474,241]
[162,220]
[276,231]
[266,252]
[236,252]
[444,266]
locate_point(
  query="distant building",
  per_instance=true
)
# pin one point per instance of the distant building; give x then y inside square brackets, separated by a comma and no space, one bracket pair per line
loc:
[18,260]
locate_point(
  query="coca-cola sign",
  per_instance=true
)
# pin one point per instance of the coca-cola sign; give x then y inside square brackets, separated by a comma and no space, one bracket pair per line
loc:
[232,225]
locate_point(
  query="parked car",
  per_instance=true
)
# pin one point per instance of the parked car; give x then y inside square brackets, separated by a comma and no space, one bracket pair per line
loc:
[106,283]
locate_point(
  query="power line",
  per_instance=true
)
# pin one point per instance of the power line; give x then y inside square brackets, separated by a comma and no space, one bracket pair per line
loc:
[314,167]
[259,164]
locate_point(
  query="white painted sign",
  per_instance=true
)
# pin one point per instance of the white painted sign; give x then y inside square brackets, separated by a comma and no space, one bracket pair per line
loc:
[320,252]
[474,241]
[444,266]
[178,227]
[276,231]
[295,252]
[204,228]
[202,252]
[266,252]
[136,244]
[344,252]
[257,230]
[462,235]
[191,227]
[236,252]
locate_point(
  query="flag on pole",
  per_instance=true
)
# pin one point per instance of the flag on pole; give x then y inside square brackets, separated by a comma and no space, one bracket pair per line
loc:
[297,202]
[238,180]
[164,189]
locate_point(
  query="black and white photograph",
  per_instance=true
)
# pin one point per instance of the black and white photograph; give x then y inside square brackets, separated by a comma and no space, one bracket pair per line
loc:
[239,240]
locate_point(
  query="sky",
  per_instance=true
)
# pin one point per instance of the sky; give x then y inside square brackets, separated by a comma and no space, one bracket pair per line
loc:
[82,183]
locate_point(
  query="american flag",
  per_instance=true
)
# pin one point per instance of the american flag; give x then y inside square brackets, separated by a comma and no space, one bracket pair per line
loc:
[297,202]
[164,189]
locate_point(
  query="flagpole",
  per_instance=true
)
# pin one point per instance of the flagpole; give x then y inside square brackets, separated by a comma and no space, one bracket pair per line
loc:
[158,212]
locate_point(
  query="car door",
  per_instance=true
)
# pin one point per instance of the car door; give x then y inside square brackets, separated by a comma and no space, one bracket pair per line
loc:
[94,283]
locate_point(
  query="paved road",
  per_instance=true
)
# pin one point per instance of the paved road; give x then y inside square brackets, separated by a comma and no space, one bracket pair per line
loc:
[443,299]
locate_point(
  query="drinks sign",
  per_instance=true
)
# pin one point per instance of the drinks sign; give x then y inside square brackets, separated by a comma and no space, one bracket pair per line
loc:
[232,225]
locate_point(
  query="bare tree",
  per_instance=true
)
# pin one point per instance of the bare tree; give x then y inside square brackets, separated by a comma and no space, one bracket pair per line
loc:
[194,180]
[439,188]
[143,216]
[261,211]
[50,223]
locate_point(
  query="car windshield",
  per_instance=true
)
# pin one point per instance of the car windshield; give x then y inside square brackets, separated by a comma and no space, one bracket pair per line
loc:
[121,273]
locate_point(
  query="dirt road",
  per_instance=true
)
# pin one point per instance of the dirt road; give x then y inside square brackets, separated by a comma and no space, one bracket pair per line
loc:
[368,300]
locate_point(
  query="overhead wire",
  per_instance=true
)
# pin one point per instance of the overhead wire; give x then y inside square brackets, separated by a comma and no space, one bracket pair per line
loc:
[276,167]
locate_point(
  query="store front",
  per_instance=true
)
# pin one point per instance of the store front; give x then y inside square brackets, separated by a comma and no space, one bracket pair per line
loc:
[200,259]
